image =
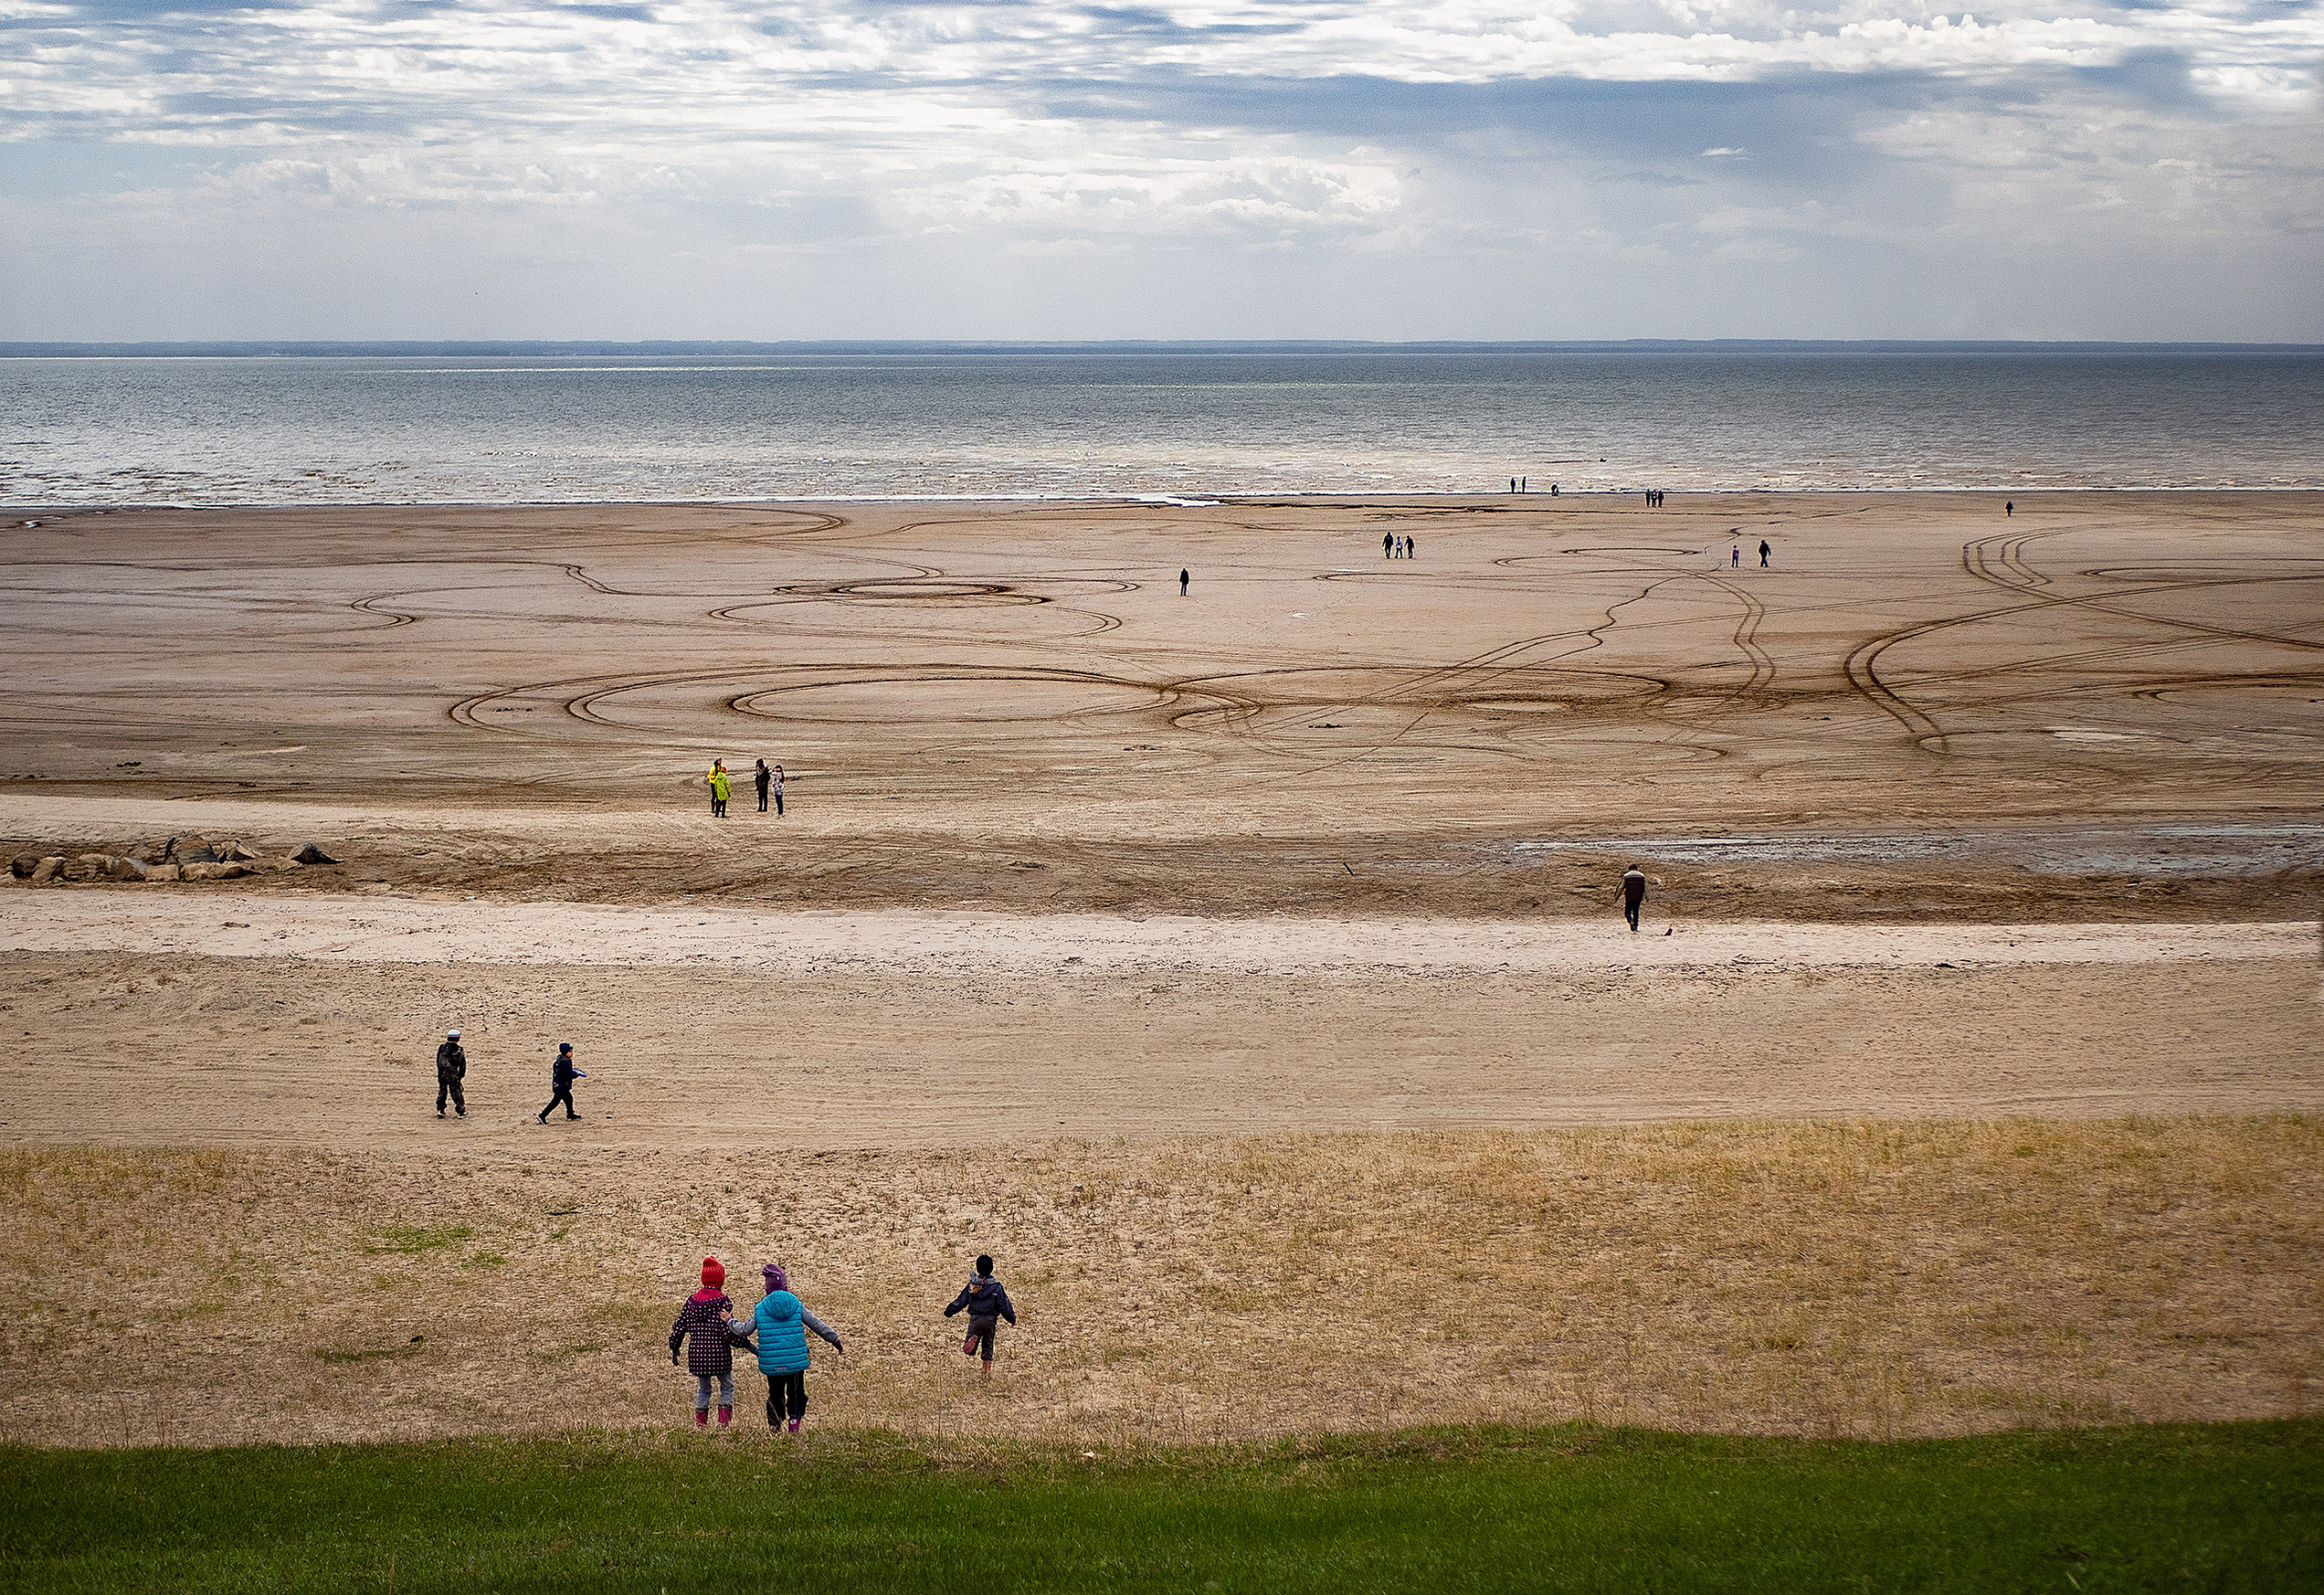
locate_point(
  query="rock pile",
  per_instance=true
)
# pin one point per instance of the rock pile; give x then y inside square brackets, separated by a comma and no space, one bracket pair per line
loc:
[180,859]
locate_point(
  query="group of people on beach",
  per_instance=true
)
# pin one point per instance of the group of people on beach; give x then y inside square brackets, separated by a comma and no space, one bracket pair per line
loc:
[721,788]
[452,1078]
[1393,546]
[776,1333]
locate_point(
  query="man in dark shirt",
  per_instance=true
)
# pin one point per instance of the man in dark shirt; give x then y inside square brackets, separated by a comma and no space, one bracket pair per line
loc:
[450,1070]
[1633,894]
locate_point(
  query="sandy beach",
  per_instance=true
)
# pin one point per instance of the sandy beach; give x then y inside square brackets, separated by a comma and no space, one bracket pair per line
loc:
[1966,832]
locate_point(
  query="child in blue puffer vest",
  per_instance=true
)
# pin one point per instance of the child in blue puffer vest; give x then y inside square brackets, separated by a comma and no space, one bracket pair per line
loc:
[779,1326]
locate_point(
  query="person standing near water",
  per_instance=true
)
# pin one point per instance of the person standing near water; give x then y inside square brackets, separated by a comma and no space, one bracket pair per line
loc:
[1633,895]
[721,789]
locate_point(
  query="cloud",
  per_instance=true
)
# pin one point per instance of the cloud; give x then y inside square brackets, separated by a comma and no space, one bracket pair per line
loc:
[1461,143]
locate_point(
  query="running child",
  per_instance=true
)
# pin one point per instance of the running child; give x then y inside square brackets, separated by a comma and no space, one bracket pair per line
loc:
[987,1302]
[704,1321]
[779,1325]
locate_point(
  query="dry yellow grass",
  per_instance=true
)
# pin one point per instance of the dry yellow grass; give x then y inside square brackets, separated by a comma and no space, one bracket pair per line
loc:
[1870,1279]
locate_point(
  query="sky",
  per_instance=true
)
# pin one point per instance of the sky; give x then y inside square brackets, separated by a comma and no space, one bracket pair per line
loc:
[1278,168]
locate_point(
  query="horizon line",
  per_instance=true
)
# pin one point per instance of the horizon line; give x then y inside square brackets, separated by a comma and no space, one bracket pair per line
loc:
[244,348]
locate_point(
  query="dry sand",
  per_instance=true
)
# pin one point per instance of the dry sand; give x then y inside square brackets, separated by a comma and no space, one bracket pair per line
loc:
[1096,905]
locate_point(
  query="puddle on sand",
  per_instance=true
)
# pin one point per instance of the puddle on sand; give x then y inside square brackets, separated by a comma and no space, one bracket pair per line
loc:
[2211,851]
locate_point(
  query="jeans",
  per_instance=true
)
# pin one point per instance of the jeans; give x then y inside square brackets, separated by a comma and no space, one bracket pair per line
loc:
[451,1087]
[785,1396]
[564,1093]
[726,1391]
[980,1336]
[1630,912]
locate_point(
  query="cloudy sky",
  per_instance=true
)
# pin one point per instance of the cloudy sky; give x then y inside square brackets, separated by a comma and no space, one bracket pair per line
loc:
[1468,168]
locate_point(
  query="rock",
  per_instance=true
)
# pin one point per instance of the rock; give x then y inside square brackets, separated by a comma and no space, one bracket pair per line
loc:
[311,855]
[48,870]
[194,850]
[163,871]
[128,869]
[89,866]
[214,871]
[235,852]
[275,866]
[23,865]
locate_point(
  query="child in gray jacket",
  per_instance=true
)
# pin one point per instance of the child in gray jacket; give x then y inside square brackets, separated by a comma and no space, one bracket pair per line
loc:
[986,1301]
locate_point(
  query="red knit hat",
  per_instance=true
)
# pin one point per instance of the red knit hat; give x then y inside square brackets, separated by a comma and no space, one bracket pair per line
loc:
[713,1271]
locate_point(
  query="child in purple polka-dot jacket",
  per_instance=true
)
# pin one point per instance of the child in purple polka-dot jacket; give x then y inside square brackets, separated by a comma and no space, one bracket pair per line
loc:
[707,1320]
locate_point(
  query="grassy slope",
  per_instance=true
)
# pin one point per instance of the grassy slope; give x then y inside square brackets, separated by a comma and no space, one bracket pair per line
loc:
[2230,1506]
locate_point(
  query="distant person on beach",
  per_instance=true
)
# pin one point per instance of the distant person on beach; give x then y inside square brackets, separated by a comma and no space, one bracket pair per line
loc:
[561,1076]
[1513,484]
[775,785]
[721,789]
[1633,895]
[2009,508]
[1184,578]
[450,1070]
[986,1301]
[1764,552]
[779,1326]
[1410,545]
[1554,490]
[1735,557]
[1388,545]
[1525,484]
[765,778]
[703,1322]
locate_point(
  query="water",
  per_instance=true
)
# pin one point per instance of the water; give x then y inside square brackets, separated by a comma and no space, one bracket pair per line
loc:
[2175,851]
[960,423]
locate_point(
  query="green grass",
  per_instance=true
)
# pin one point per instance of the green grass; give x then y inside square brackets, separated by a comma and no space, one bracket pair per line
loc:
[2216,1507]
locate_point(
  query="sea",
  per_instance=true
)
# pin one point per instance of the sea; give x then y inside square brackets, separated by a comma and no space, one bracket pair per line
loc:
[633,424]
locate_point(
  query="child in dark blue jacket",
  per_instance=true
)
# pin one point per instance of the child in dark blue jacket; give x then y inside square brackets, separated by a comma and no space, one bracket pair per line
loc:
[561,1076]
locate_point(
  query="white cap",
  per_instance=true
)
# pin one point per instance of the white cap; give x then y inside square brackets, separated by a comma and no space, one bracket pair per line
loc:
[452,1035]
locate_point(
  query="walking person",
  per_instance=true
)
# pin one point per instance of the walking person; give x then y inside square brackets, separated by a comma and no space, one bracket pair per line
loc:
[1388,545]
[1184,578]
[704,1323]
[1764,552]
[763,776]
[2010,509]
[1633,895]
[1411,548]
[986,1301]
[561,1076]
[721,788]
[778,1324]
[450,1070]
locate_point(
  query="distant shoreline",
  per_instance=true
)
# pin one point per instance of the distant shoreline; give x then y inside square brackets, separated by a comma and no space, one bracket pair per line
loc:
[1316,501]
[248,349]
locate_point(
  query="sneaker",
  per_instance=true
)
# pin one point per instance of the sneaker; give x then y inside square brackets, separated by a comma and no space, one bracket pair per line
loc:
[795,1425]
[439,1112]
[542,1120]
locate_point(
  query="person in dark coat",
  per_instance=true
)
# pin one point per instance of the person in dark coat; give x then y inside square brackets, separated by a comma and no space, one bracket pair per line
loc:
[705,1322]
[450,1070]
[986,1301]
[1633,894]
[561,1076]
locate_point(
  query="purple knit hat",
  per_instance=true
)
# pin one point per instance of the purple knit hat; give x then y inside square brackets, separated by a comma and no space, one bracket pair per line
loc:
[776,1278]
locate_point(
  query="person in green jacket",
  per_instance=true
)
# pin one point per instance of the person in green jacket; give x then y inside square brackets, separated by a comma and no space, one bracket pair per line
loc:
[779,1328]
[721,789]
